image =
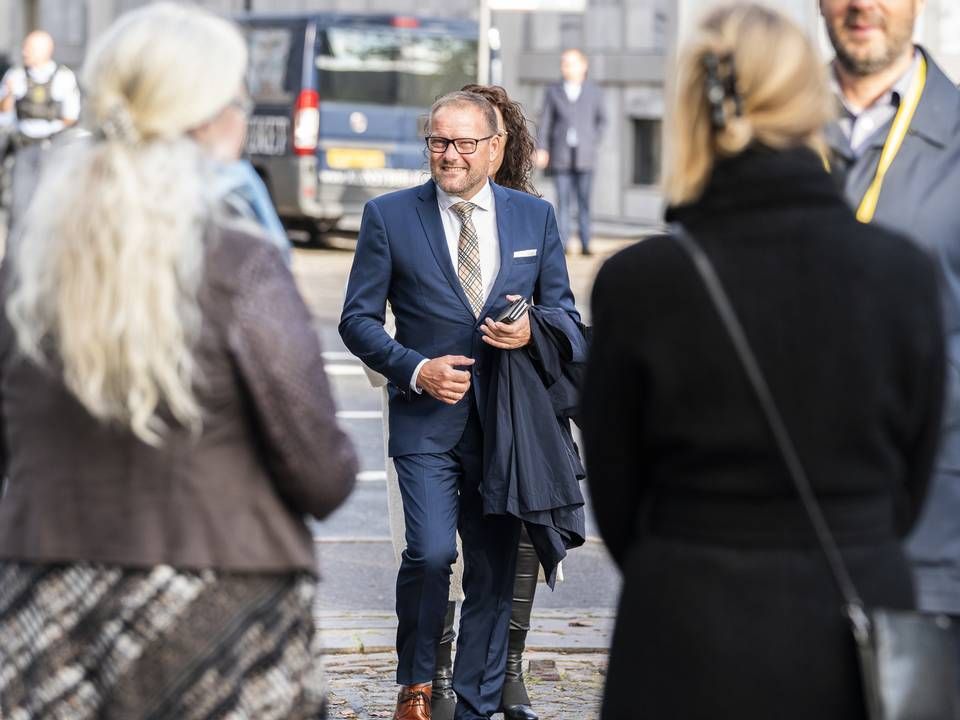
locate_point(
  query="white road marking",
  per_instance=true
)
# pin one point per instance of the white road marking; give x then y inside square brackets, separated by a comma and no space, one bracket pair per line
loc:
[348,539]
[372,476]
[337,369]
[360,415]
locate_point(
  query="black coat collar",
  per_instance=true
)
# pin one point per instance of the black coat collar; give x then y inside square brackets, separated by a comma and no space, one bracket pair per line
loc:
[759,179]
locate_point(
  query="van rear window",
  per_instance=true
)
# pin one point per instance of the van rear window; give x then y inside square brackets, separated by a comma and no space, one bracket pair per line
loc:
[392,66]
[270,59]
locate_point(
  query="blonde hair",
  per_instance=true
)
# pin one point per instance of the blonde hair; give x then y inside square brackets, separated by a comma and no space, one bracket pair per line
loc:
[110,255]
[780,81]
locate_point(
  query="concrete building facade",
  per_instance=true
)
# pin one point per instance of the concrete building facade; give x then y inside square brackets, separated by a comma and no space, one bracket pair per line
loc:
[630,44]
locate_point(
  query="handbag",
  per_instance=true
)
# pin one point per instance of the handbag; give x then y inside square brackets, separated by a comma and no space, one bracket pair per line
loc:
[907,659]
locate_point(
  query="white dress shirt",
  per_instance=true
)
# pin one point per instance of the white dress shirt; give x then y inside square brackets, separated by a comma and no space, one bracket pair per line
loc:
[572,91]
[485,223]
[64,90]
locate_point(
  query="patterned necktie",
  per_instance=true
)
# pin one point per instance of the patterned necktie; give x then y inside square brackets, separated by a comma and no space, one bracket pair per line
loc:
[468,257]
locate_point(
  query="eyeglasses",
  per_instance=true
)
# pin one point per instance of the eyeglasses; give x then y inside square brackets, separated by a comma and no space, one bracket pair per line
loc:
[464,146]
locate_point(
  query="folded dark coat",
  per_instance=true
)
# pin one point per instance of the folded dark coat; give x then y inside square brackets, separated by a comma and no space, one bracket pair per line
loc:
[532,466]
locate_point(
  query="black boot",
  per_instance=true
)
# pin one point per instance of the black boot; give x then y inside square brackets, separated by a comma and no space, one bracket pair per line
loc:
[515,703]
[444,700]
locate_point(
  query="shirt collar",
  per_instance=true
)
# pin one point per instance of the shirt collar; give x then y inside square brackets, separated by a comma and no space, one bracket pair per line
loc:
[483,199]
[892,97]
[936,115]
[43,71]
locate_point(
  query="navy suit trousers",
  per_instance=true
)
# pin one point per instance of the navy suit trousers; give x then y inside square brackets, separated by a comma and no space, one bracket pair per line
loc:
[441,494]
[570,183]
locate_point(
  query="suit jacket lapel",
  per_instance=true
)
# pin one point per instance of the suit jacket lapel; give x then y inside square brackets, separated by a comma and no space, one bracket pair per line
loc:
[429,214]
[501,199]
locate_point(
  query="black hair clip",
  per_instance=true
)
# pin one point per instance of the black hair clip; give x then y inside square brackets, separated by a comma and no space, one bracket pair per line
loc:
[731,88]
[720,89]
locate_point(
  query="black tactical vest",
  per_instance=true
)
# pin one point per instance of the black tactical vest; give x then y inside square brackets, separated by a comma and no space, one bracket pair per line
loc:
[38,103]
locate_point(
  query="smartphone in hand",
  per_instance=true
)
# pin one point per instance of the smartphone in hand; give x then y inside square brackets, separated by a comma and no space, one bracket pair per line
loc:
[514,311]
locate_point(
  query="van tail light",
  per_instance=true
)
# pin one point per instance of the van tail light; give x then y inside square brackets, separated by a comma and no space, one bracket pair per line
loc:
[405,21]
[306,123]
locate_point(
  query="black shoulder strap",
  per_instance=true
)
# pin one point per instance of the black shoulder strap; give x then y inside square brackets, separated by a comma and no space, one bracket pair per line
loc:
[775,421]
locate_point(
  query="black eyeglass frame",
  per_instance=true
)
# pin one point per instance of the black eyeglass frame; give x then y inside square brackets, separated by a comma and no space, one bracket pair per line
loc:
[456,143]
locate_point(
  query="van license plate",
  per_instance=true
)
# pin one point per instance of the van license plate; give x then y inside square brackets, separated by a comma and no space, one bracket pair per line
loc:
[355,159]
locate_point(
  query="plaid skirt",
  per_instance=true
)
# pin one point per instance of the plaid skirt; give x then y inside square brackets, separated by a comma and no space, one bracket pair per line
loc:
[84,641]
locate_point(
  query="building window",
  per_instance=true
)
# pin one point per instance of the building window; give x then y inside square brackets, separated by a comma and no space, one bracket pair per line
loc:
[571,30]
[647,146]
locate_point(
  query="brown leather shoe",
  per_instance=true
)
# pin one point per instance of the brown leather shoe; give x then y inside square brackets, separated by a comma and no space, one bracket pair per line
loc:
[413,702]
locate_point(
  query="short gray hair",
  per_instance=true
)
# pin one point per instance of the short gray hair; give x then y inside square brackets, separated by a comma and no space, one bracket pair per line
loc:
[462,98]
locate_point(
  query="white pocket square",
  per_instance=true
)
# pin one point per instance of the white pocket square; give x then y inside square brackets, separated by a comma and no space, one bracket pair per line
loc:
[525,253]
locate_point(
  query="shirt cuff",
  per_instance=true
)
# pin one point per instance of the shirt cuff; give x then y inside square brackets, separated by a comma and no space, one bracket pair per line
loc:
[416,374]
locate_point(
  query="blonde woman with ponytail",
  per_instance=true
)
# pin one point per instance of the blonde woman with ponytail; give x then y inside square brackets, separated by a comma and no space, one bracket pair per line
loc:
[166,421]
[728,608]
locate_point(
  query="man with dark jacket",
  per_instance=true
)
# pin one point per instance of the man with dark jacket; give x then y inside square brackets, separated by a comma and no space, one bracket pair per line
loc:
[895,102]
[571,124]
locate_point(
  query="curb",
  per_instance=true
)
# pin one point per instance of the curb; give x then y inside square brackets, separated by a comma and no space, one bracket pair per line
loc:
[566,632]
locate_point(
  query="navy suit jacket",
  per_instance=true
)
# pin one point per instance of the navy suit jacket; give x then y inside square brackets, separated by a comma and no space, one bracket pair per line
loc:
[402,257]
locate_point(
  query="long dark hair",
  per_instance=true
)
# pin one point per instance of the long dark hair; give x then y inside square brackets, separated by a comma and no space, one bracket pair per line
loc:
[517,167]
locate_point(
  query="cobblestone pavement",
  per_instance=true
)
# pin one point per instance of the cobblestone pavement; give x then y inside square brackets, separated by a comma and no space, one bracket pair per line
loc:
[561,686]
[566,655]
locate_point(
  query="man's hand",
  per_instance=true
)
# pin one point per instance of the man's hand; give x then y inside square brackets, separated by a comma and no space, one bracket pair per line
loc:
[441,379]
[6,104]
[542,158]
[507,336]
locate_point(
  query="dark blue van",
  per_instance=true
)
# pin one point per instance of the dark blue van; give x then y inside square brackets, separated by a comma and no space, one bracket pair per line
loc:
[340,105]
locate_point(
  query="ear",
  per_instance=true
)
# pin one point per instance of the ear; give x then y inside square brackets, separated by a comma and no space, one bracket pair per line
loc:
[495,142]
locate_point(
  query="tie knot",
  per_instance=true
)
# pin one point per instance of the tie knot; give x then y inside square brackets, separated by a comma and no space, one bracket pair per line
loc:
[463,210]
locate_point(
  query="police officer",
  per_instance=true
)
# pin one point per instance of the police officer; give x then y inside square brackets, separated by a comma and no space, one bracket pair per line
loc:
[46,99]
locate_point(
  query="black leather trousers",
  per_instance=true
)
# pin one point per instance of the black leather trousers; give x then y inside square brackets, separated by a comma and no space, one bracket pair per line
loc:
[524,590]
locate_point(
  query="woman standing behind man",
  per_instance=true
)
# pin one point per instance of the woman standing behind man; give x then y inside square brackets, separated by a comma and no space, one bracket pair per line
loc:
[729,608]
[166,421]
[514,169]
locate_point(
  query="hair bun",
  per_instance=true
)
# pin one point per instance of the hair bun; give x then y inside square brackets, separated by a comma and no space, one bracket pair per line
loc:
[735,136]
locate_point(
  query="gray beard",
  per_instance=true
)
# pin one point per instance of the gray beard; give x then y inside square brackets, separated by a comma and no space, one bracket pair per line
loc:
[864,67]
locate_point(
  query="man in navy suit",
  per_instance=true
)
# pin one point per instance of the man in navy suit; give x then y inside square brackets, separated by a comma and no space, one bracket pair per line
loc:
[449,256]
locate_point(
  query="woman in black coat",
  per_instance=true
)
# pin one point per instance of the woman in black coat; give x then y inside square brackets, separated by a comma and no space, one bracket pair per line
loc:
[728,607]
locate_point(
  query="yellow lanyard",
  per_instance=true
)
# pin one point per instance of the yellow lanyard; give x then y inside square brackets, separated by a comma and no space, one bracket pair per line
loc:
[898,131]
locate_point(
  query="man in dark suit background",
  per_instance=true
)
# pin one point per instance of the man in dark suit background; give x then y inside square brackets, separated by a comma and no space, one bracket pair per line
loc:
[572,122]
[448,256]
